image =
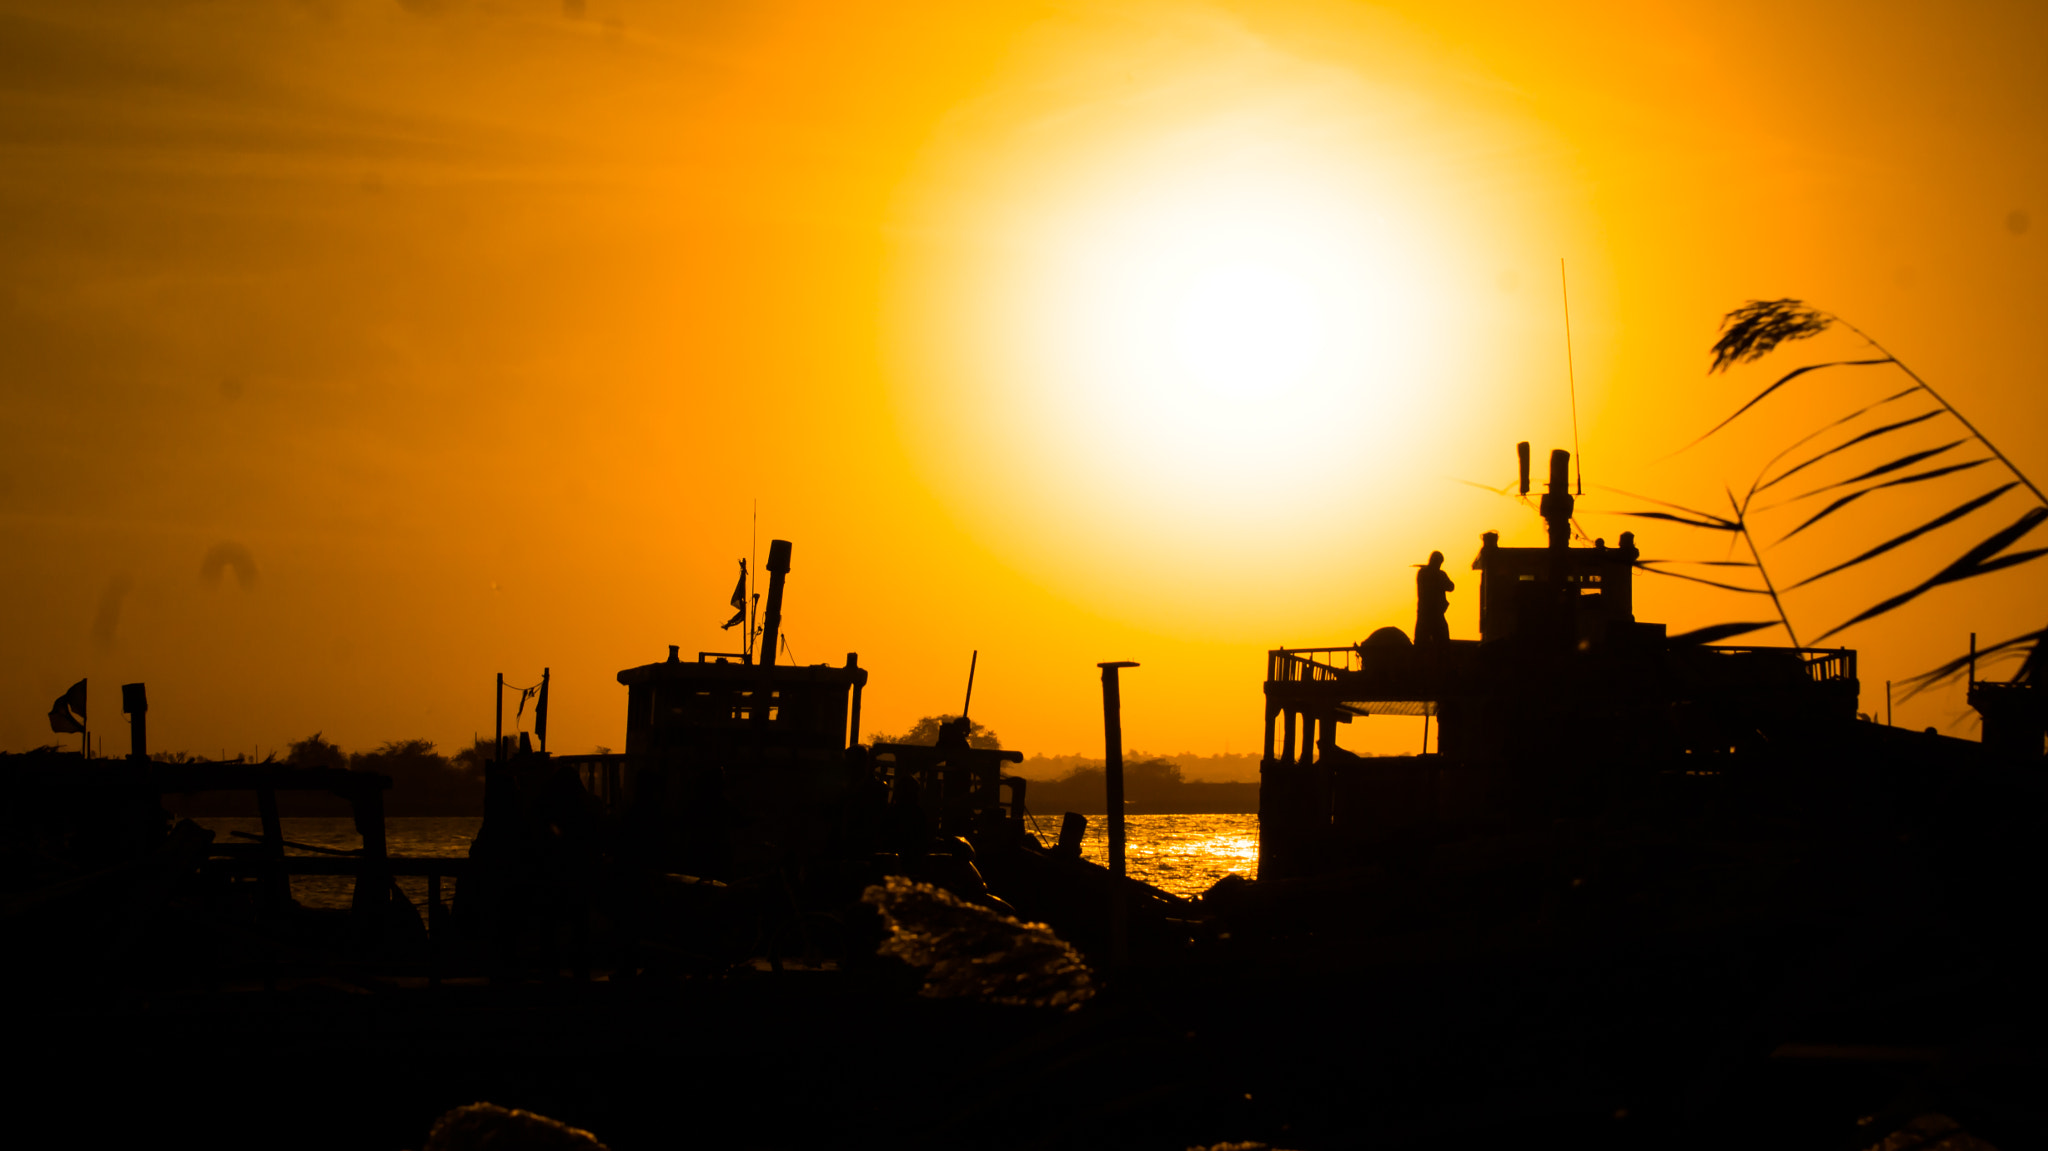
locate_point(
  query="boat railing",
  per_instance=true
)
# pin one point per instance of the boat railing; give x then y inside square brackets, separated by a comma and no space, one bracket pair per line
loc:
[602,775]
[1310,664]
[1821,664]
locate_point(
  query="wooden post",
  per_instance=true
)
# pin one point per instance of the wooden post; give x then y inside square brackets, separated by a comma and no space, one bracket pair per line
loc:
[1113,770]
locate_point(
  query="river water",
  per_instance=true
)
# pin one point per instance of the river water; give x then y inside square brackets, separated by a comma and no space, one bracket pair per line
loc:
[1183,854]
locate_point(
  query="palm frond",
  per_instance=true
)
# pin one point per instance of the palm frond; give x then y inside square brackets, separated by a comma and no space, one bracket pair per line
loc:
[1942,520]
[1883,469]
[2031,641]
[1846,445]
[1720,631]
[1715,524]
[1787,378]
[1975,562]
[1852,497]
[1708,582]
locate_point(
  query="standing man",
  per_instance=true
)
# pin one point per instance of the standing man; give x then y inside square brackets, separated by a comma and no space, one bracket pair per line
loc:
[1433,590]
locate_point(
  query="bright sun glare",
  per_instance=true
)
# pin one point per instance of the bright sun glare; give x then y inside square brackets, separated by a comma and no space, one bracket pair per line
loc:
[1238,323]
[1224,327]
[1162,337]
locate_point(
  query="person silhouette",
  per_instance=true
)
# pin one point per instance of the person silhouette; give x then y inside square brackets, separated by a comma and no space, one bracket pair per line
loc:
[1432,599]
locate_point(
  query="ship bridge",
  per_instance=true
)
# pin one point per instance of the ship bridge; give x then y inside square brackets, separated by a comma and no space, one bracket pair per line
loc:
[1562,674]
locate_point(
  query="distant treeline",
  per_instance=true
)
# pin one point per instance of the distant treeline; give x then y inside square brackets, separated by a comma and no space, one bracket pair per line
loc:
[423,781]
[1184,784]
[1222,768]
[1152,786]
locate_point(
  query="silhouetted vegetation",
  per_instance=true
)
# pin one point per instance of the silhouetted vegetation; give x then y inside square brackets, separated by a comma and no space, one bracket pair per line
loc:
[1152,786]
[1753,331]
[925,733]
[423,781]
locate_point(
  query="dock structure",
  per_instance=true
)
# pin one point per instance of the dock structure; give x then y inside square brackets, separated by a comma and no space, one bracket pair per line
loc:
[1563,683]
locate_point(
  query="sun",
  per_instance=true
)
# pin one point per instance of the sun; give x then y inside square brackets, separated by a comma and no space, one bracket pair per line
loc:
[1221,330]
[1161,343]
[1240,327]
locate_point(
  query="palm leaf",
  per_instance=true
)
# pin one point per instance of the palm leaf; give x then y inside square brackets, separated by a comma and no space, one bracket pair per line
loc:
[1852,497]
[1701,563]
[1708,582]
[1716,524]
[1720,631]
[1905,461]
[1972,563]
[1846,445]
[1946,671]
[1831,425]
[1781,382]
[1947,517]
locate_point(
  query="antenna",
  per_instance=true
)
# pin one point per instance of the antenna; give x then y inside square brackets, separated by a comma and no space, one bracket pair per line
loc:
[1571,375]
[753,597]
[973,660]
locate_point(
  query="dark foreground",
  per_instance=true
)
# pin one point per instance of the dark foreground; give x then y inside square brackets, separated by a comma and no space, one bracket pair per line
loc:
[1814,1042]
[1810,952]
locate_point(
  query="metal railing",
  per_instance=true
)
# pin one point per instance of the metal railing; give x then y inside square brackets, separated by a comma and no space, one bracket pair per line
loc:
[1821,664]
[1301,665]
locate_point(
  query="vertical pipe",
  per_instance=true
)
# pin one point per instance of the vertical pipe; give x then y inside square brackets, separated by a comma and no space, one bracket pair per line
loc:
[853,716]
[1113,770]
[771,619]
[498,733]
[135,701]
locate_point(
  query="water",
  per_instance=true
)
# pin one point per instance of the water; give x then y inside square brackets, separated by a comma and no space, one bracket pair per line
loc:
[437,837]
[1183,854]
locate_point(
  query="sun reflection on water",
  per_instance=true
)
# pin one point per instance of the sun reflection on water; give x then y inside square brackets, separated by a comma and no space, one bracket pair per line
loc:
[1182,854]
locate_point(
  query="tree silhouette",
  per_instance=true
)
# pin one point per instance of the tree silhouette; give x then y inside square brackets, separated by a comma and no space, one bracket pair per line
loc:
[925,732]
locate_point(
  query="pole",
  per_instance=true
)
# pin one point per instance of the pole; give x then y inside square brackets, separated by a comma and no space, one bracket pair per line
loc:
[498,733]
[1887,703]
[1113,770]
[972,660]
[540,712]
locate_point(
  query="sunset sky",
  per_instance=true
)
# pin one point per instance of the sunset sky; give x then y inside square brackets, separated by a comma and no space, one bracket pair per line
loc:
[1167,332]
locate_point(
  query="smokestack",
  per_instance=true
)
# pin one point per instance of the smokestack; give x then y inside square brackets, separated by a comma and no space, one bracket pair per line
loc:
[1522,454]
[1557,502]
[135,701]
[771,624]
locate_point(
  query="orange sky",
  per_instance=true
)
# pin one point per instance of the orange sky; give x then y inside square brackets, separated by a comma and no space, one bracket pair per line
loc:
[482,325]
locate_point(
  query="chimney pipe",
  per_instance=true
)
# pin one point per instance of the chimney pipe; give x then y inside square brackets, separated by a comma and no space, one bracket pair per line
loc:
[135,701]
[771,624]
[1556,504]
[1522,455]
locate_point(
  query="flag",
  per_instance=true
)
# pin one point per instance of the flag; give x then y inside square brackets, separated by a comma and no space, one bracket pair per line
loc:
[68,713]
[525,693]
[739,601]
[540,710]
